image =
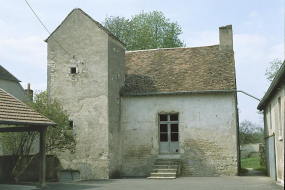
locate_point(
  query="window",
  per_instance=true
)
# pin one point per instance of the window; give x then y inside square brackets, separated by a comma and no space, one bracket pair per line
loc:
[270,118]
[73,70]
[168,126]
[70,127]
[279,119]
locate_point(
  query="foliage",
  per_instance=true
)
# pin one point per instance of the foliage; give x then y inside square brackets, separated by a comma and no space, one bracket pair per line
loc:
[250,132]
[58,139]
[145,31]
[273,69]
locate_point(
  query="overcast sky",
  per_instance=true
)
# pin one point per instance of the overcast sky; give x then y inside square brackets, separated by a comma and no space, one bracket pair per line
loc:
[258,31]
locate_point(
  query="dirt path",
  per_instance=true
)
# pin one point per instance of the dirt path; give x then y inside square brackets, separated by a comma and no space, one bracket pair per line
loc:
[252,172]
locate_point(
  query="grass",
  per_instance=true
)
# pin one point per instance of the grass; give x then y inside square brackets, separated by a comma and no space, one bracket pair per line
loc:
[251,163]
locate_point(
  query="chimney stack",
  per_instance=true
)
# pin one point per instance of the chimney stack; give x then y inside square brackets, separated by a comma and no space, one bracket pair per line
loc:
[30,92]
[226,38]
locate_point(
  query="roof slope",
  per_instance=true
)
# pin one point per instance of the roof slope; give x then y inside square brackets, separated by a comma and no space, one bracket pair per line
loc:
[4,74]
[179,70]
[15,112]
[275,84]
[94,21]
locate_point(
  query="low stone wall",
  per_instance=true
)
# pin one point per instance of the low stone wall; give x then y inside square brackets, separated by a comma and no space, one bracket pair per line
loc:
[262,155]
[249,150]
[31,173]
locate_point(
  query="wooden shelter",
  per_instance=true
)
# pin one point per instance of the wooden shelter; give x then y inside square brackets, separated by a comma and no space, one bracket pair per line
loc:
[23,119]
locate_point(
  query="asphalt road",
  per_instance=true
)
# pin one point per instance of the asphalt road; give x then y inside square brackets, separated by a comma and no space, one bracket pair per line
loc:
[182,183]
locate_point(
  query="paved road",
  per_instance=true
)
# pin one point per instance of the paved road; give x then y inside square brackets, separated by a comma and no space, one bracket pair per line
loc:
[182,183]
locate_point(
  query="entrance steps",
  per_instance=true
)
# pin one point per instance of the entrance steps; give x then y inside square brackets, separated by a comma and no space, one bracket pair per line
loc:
[165,169]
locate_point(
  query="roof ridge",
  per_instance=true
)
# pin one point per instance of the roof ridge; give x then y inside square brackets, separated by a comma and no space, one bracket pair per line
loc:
[277,78]
[88,16]
[171,48]
[9,76]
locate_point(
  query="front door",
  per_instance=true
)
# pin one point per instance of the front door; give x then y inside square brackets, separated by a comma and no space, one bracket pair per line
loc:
[168,134]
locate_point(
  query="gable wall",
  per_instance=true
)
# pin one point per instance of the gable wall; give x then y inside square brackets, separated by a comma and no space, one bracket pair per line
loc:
[84,95]
[15,89]
[279,144]
[207,125]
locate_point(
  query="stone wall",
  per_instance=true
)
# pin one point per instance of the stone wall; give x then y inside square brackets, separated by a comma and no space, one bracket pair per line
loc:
[207,125]
[116,77]
[84,94]
[262,160]
[249,150]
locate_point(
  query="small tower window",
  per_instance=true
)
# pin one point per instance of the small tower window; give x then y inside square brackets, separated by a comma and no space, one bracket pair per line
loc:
[73,70]
[70,125]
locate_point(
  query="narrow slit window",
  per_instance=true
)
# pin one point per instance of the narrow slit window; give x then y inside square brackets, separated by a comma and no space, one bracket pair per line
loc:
[70,127]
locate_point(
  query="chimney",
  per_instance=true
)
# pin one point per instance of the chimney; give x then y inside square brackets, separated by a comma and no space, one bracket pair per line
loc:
[30,92]
[226,38]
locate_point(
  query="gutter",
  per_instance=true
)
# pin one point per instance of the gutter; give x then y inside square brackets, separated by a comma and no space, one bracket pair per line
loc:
[185,92]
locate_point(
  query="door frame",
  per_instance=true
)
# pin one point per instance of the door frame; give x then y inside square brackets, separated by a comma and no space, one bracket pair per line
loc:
[168,123]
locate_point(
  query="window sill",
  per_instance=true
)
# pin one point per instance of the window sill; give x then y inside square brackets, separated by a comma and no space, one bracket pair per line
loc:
[280,138]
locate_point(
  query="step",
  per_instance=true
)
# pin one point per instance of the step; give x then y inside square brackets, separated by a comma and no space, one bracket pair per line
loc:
[161,178]
[163,175]
[165,166]
[164,171]
[168,160]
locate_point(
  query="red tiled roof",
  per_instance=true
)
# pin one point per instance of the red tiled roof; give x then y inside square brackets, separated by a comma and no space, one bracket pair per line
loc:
[179,70]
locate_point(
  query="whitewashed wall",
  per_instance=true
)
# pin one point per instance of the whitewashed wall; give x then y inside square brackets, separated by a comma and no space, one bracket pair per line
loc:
[207,125]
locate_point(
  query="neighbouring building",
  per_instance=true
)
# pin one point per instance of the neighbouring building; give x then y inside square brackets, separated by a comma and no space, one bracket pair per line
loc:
[273,106]
[11,84]
[129,109]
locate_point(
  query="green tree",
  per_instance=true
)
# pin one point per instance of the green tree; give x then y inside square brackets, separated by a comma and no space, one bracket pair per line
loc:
[145,31]
[250,132]
[273,69]
[58,139]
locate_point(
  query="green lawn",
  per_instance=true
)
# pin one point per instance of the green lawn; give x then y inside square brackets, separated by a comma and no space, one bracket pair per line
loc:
[251,163]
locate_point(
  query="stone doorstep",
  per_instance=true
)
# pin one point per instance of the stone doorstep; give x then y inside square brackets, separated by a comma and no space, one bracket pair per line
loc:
[165,166]
[164,171]
[161,178]
[163,175]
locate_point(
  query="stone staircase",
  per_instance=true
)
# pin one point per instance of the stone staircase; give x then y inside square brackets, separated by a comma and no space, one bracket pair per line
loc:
[165,169]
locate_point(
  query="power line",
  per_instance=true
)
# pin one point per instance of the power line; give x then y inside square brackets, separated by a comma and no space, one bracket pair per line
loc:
[47,29]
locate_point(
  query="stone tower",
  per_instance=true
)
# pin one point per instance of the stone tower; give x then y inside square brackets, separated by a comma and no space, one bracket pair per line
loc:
[86,69]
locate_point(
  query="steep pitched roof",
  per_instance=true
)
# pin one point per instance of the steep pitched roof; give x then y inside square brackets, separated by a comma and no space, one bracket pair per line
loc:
[94,21]
[15,112]
[275,84]
[4,74]
[179,70]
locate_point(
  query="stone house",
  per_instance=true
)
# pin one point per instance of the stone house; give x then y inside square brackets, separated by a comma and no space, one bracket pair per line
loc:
[129,109]
[273,106]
